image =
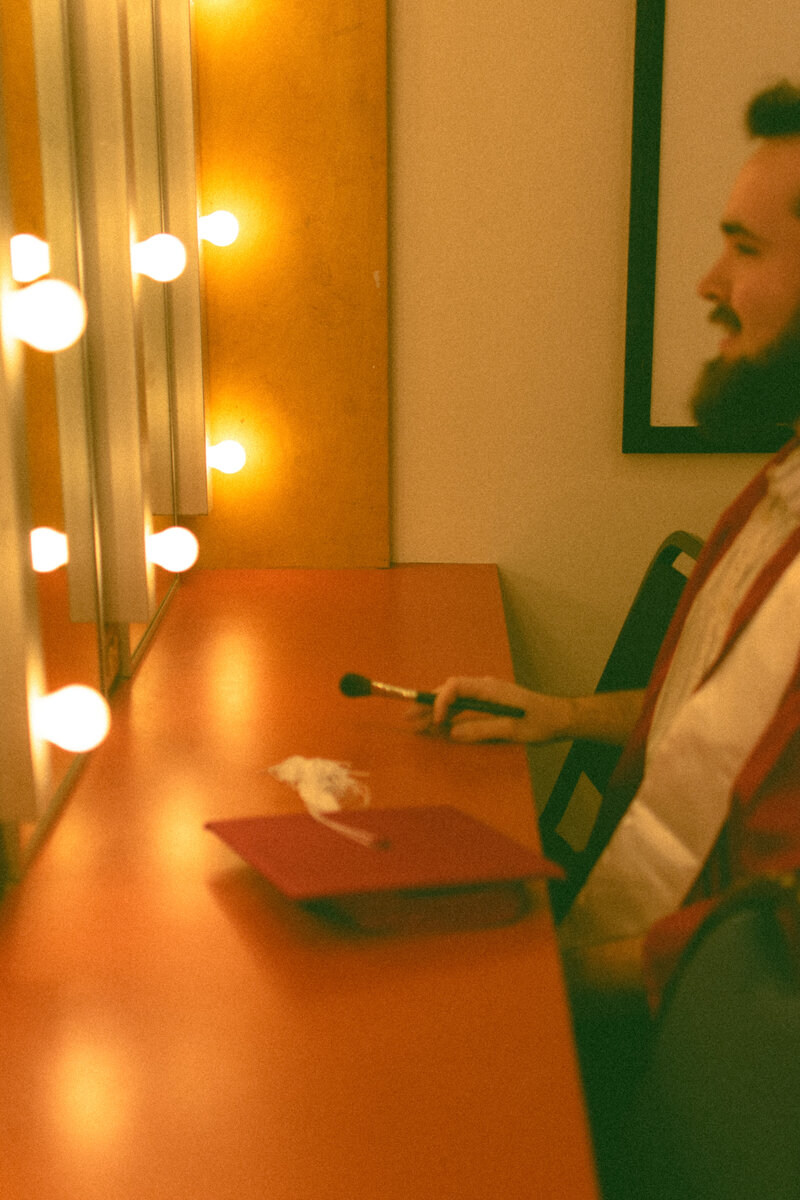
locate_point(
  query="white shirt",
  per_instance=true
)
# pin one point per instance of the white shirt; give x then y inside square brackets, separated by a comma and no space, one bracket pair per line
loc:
[714,607]
[701,735]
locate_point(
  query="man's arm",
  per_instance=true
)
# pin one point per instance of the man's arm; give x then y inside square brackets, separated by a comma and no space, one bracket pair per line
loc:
[602,717]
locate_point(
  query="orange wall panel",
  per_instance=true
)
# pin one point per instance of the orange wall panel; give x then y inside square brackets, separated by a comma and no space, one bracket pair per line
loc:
[292,139]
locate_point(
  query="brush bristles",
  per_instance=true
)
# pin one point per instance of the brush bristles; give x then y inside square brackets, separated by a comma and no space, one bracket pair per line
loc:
[355,685]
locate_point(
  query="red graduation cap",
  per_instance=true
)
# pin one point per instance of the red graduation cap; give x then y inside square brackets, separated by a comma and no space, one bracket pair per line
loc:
[431,866]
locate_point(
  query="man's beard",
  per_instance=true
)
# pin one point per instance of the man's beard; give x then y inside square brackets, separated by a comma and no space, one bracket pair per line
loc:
[739,404]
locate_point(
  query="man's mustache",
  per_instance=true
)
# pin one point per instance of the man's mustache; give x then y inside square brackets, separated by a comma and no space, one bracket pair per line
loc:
[722,315]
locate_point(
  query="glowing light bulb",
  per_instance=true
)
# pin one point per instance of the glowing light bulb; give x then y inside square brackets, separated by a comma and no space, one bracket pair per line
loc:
[162,257]
[30,257]
[219,227]
[174,549]
[76,718]
[49,549]
[228,457]
[48,315]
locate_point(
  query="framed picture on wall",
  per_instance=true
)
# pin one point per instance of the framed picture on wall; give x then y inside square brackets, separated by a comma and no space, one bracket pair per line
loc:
[694,76]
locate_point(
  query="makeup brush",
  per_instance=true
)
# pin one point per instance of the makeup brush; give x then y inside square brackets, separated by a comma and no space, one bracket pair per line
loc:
[359,685]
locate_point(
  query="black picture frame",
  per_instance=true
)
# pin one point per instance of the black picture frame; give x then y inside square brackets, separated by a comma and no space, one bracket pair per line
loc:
[639,435]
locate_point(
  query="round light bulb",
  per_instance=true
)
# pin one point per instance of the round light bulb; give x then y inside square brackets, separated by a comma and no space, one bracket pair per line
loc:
[48,315]
[228,457]
[162,257]
[174,549]
[49,549]
[76,718]
[30,257]
[220,227]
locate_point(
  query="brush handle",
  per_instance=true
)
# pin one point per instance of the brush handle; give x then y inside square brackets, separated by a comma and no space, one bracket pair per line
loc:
[462,704]
[465,704]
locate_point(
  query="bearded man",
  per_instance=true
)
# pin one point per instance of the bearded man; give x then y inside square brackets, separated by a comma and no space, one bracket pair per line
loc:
[709,775]
[711,758]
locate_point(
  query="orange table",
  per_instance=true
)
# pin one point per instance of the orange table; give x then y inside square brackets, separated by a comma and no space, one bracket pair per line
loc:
[173,1029]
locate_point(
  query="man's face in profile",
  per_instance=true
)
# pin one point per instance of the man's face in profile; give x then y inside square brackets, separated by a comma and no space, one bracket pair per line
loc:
[754,383]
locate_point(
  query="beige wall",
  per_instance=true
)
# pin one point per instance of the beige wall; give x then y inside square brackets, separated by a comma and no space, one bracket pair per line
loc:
[509,152]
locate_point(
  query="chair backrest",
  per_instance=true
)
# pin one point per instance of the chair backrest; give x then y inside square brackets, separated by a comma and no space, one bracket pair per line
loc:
[718,1114]
[588,766]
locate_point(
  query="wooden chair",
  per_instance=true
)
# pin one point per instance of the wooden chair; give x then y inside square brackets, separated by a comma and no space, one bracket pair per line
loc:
[588,766]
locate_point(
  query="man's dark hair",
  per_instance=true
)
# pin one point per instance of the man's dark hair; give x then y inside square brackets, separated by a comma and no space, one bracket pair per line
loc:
[775,112]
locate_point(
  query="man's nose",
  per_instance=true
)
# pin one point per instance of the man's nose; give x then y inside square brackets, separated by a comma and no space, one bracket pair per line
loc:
[713,285]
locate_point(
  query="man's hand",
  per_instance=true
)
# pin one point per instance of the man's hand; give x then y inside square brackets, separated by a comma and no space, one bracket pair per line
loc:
[544,715]
[605,717]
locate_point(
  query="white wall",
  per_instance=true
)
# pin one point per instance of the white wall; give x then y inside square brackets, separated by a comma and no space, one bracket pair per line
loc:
[509,142]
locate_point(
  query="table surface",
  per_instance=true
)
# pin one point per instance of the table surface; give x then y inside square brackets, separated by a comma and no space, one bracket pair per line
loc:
[174,1028]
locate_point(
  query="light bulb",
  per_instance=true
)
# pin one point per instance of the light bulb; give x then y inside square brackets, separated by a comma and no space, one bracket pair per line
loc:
[49,549]
[228,457]
[162,257]
[48,315]
[219,227]
[76,718]
[174,549]
[30,257]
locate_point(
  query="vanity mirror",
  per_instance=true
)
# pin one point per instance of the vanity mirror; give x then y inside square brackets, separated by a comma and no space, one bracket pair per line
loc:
[296,349]
[44,649]
[105,441]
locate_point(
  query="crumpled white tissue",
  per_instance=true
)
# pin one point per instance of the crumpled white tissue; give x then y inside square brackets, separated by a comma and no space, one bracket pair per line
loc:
[321,783]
